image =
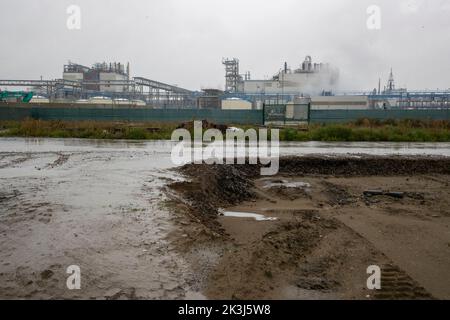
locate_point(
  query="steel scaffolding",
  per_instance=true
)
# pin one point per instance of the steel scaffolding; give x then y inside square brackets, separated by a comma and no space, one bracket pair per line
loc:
[232,77]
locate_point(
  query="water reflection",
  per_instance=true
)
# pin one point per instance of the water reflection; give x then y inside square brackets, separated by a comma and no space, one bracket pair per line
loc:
[165,146]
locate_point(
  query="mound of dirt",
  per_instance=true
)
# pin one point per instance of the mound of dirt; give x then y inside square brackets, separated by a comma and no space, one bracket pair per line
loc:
[215,186]
[210,188]
[363,165]
[337,195]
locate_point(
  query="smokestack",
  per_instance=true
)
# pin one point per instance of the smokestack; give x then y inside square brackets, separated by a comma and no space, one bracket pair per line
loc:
[285,67]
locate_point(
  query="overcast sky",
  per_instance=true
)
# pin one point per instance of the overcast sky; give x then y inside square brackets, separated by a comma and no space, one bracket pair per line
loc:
[182,42]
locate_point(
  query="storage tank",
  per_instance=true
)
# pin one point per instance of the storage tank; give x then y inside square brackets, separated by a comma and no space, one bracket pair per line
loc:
[139,103]
[122,101]
[100,100]
[39,99]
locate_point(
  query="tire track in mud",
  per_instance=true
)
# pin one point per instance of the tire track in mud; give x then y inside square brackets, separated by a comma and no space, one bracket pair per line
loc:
[20,158]
[396,284]
[14,162]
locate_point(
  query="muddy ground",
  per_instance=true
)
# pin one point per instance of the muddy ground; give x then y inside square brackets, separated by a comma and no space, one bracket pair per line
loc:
[92,204]
[322,231]
[139,229]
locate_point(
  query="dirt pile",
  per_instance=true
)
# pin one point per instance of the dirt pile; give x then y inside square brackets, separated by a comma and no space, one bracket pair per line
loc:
[210,188]
[336,194]
[363,165]
[205,126]
[214,186]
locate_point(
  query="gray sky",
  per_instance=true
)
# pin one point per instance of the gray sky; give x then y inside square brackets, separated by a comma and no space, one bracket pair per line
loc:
[182,42]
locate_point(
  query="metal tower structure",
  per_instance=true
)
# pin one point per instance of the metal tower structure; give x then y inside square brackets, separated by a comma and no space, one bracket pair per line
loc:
[391,84]
[232,76]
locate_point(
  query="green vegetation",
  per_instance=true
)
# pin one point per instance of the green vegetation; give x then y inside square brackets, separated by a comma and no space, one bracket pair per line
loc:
[361,130]
[372,130]
[86,129]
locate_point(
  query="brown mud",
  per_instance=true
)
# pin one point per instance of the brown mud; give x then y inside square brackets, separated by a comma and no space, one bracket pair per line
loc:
[327,231]
[94,207]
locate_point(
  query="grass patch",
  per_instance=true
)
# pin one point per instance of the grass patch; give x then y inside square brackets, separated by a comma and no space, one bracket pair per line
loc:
[361,130]
[86,129]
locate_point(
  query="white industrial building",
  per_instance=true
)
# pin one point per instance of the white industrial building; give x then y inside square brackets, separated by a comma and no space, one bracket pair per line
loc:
[112,76]
[102,73]
[308,79]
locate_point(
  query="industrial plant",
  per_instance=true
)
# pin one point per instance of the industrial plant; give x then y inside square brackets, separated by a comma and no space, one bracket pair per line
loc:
[310,78]
[316,83]
[105,84]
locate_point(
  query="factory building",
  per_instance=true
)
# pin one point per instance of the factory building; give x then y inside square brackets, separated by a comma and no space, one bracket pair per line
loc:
[308,79]
[75,72]
[101,74]
[310,83]
[210,99]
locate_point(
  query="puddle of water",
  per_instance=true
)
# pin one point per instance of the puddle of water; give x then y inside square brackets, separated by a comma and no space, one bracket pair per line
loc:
[257,217]
[287,184]
[164,146]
